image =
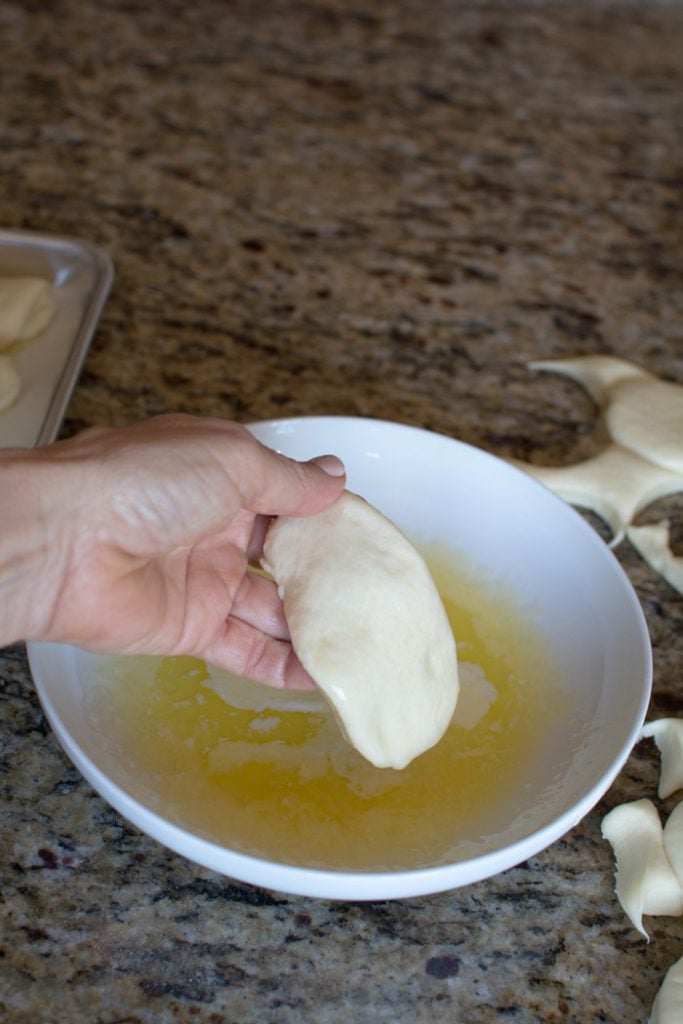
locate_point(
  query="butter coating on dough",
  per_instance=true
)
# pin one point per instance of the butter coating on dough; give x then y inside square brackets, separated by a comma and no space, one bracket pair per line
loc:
[367,623]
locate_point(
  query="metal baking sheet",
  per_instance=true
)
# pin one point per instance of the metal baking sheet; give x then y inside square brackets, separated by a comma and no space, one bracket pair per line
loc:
[82,276]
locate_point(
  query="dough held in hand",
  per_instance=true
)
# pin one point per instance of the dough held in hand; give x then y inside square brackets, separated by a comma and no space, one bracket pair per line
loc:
[10,382]
[367,623]
[27,305]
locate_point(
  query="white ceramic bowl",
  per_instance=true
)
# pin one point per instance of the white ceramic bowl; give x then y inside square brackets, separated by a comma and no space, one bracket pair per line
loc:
[572,589]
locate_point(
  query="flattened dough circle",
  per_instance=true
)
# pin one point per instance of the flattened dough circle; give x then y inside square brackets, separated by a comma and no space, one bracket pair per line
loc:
[10,382]
[27,305]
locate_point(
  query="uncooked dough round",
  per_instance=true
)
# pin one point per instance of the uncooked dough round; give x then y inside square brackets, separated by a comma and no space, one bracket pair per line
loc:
[646,415]
[367,623]
[668,1005]
[10,382]
[646,882]
[668,735]
[27,305]
[673,841]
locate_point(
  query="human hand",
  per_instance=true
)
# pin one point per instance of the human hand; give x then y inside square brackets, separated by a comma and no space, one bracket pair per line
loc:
[137,539]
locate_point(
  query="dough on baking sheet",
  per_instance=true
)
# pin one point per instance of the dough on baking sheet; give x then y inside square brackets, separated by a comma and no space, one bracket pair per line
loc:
[646,882]
[10,382]
[367,622]
[27,305]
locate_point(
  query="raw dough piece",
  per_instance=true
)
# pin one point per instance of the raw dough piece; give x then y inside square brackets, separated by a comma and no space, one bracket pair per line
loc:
[27,305]
[673,840]
[598,375]
[368,624]
[640,411]
[644,461]
[646,882]
[668,1005]
[652,544]
[616,483]
[668,735]
[10,382]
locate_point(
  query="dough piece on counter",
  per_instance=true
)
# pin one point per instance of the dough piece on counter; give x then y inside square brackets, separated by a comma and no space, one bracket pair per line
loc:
[616,483]
[10,382]
[641,412]
[668,735]
[598,375]
[643,417]
[673,841]
[668,1005]
[652,544]
[367,622]
[27,305]
[646,882]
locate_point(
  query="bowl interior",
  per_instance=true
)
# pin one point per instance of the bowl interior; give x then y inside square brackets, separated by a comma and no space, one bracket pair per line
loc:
[569,585]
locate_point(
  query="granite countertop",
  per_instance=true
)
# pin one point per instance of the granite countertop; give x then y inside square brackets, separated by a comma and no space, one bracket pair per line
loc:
[382,210]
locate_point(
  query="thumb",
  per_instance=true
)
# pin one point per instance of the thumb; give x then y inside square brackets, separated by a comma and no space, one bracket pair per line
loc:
[286,487]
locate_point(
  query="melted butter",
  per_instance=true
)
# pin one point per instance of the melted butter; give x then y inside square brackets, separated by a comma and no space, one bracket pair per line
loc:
[270,774]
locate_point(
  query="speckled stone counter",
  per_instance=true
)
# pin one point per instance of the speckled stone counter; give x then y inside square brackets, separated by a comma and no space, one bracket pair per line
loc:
[386,210]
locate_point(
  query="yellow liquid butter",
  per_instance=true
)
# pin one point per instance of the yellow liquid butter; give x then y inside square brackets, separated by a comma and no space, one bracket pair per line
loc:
[269,773]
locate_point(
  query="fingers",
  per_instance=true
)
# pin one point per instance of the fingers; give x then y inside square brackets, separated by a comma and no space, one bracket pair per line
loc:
[296,677]
[257,604]
[247,652]
[277,486]
[332,464]
[254,641]
[179,456]
[258,536]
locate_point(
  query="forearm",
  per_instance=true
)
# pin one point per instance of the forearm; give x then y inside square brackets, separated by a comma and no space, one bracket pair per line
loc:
[29,549]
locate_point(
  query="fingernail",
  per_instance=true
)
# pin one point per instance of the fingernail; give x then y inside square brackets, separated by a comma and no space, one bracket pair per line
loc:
[330,464]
